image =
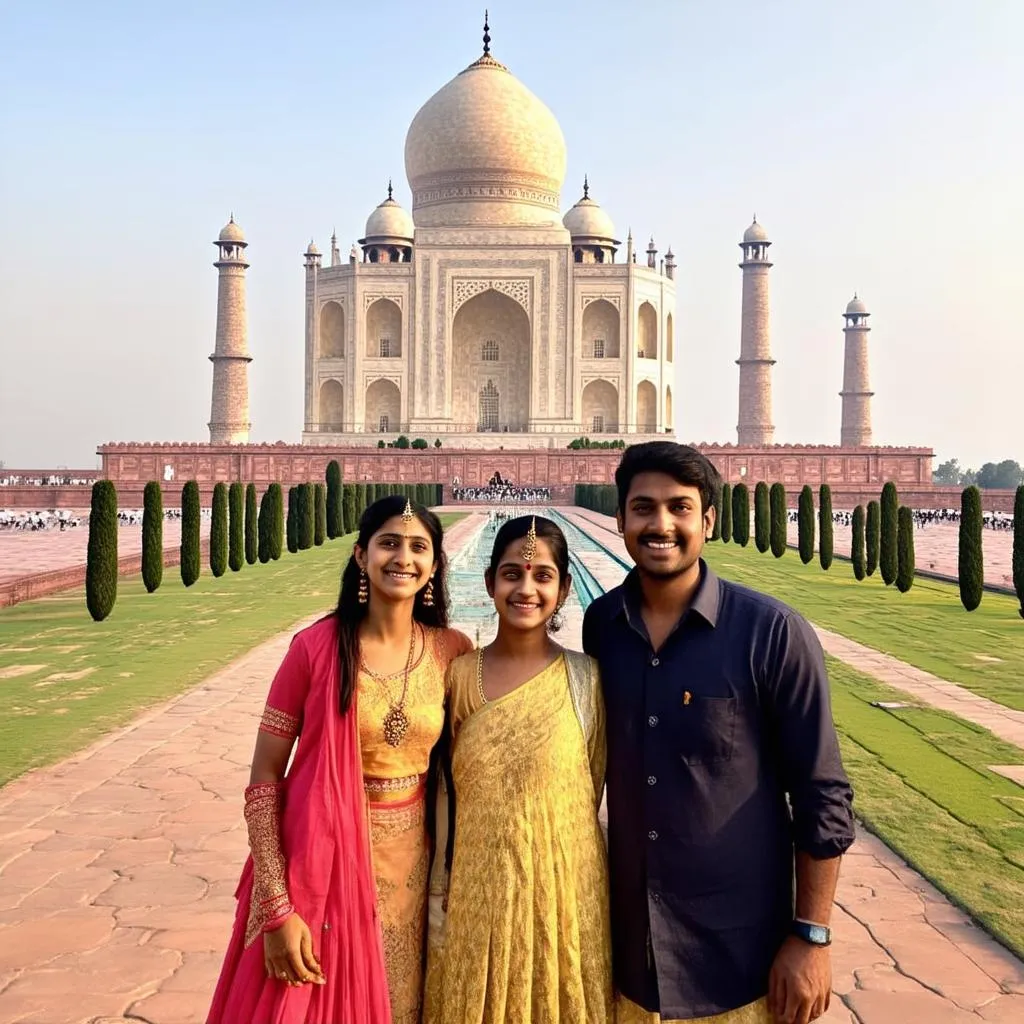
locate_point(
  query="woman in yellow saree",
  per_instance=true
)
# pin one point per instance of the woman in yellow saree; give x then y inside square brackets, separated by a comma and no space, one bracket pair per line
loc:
[519,929]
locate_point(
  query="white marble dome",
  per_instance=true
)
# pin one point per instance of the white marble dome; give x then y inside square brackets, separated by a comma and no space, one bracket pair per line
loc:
[755,233]
[390,220]
[587,220]
[484,150]
[231,232]
[856,305]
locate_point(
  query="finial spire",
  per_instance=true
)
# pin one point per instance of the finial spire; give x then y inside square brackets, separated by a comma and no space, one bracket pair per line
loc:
[231,219]
[389,188]
[586,187]
[487,36]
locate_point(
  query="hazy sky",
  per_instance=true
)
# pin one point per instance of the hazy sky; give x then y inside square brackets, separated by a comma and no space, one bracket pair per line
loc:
[880,143]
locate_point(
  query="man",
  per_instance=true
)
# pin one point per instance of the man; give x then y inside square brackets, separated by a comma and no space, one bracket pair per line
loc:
[724,774]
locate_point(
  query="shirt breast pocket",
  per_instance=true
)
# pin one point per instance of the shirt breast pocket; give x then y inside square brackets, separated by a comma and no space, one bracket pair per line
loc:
[707,729]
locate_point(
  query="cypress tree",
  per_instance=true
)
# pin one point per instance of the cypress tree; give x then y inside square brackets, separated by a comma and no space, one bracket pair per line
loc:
[373,492]
[335,516]
[349,507]
[805,524]
[190,517]
[741,514]
[263,528]
[777,499]
[888,558]
[219,531]
[762,517]
[101,559]
[320,516]
[252,547]
[236,526]
[971,564]
[152,536]
[1018,546]
[303,539]
[309,511]
[826,533]
[857,544]
[904,549]
[276,538]
[716,532]
[290,527]
[726,512]
[873,536]
[360,502]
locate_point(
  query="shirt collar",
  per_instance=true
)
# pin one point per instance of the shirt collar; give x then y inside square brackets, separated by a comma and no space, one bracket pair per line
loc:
[705,601]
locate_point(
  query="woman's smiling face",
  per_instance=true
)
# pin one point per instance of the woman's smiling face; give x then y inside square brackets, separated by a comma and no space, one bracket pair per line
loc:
[399,559]
[527,593]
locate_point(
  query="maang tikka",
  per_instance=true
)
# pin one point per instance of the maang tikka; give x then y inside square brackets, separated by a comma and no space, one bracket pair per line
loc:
[529,549]
[407,512]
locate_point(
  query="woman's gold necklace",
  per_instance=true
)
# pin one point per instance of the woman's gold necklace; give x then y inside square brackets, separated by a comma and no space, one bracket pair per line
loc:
[396,721]
[480,675]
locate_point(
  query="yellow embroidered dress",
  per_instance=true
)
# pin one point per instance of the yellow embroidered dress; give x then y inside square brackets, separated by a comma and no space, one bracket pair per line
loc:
[526,937]
[395,783]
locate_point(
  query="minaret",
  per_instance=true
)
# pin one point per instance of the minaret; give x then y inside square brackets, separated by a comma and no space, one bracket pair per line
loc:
[755,428]
[335,254]
[229,415]
[856,393]
[652,254]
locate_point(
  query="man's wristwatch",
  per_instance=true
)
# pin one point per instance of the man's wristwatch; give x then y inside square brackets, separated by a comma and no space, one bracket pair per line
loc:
[813,934]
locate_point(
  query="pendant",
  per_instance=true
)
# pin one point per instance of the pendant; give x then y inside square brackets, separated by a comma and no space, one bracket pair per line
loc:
[396,724]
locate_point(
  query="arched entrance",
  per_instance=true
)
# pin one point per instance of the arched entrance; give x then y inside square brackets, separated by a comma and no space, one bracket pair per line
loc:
[383,330]
[600,331]
[383,408]
[332,406]
[647,332]
[600,408]
[670,423]
[491,367]
[670,341]
[646,407]
[332,331]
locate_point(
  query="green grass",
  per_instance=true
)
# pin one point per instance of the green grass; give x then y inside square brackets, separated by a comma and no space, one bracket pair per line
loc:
[85,678]
[923,785]
[927,627]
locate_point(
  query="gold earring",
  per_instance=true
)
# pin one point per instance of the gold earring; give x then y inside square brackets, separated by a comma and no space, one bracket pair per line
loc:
[428,593]
[364,587]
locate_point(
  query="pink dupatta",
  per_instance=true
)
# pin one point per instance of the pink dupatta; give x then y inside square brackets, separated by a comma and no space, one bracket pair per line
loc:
[325,840]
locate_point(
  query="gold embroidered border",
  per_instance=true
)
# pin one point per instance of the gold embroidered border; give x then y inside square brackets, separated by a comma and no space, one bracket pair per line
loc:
[391,785]
[279,723]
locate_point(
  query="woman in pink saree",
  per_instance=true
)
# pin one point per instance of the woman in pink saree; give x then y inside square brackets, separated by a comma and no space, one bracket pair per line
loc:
[331,916]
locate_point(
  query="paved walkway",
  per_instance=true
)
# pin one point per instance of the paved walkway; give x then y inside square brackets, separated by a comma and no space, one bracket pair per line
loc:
[118,868]
[1006,723]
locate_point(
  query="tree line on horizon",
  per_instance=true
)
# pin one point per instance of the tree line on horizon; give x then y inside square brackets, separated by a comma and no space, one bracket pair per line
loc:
[882,533]
[242,530]
[1005,475]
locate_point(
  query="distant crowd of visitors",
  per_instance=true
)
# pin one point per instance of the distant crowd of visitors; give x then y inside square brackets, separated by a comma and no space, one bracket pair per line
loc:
[43,481]
[499,490]
[925,517]
[32,521]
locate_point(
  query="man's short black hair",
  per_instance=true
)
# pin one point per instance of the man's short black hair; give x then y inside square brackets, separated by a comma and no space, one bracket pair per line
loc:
[683,463]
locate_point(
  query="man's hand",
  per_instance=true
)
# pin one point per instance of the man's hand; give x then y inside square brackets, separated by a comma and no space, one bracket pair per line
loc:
[800,983]
[288,953]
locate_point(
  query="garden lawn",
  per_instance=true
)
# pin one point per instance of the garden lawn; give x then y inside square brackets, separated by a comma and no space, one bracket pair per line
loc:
[928,627]
[66,680]
[922,784]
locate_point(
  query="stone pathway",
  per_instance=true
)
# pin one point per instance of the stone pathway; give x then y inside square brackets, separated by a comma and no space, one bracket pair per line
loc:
[118,868]
[1006,723]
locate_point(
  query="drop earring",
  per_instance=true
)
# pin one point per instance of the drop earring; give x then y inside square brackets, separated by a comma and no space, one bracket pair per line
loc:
[428,593]
[364,587]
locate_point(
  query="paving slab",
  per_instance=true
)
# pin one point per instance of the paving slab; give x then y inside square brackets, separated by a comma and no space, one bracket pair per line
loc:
[129,923]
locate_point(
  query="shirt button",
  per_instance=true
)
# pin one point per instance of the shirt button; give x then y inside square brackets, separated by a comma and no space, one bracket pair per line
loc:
[327,927]
[655,662]
[651,780]
[652,835]
[652,721]
[655,898]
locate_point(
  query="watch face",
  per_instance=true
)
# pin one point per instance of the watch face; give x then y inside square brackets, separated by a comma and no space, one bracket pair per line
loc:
[818,934]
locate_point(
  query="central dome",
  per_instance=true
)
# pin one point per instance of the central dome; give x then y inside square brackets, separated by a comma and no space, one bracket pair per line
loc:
[485,151]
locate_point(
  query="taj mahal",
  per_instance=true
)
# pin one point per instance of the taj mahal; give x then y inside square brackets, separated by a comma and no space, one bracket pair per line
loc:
[499,327]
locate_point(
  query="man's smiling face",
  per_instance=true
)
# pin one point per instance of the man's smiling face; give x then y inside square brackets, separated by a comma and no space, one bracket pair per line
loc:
[663,525]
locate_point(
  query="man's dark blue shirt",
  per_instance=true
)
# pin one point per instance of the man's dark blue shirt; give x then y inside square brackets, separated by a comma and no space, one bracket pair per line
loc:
[707,738]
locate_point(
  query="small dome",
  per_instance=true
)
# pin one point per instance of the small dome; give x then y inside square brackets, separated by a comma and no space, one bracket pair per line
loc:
[389,220]
[755,233]
[311,249]
[587,220]
[856,305]
[231,232]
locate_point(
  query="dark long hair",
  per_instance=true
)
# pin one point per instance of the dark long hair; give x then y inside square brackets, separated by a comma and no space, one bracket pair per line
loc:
[350,613]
